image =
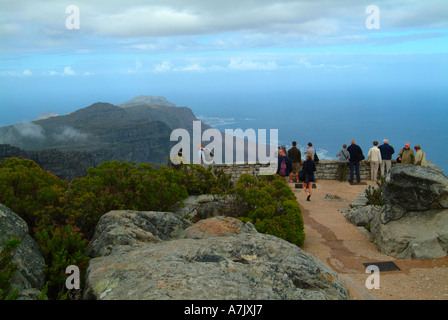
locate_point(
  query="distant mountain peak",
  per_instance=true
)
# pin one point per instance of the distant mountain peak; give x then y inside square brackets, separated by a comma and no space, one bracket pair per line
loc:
[46,115]
[153,100]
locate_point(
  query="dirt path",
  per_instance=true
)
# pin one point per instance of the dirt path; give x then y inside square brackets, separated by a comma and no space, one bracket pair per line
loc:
[345,247]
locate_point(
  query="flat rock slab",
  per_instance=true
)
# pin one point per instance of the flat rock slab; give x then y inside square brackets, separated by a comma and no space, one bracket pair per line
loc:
[242,265]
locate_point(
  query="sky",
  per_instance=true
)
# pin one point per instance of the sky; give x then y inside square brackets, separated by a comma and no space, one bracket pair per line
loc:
[66,55]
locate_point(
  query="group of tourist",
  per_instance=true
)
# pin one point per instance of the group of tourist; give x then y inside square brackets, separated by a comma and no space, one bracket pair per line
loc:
[290,165]
[380,158]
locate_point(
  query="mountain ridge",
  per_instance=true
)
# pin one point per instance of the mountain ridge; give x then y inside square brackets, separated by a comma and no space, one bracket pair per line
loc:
[147,99]
[99,132]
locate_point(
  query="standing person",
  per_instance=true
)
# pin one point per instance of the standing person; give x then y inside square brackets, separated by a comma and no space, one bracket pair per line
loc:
[420,157]
[406,155]
[310,149]
[178,160]
[356,156]
[386,155]
[344,158]
[309,167]
[296,158]
[284,166]
[205,156]
[374,156]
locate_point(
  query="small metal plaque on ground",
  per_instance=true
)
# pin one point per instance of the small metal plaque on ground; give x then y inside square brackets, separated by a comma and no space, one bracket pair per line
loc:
[383,265]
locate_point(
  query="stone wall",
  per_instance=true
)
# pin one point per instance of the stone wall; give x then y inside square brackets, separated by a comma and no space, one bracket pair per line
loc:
[325,169]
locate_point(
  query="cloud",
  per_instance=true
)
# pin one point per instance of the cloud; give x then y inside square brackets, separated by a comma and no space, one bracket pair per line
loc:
[136,22]
[193,67]
[68,71]
[24,73]
[242,64]
[29,130]
[27,73]
[305,63]
[163,67]
[70,134]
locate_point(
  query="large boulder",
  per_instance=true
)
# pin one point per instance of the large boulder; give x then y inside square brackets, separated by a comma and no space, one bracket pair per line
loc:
[416,235]
[133,228]
[232,261]
[413,188]
[362,216]
[218,227]
[27,257]
[201,206]
[413,222]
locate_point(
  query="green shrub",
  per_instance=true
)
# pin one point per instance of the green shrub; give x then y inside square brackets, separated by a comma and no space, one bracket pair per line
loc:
[39,198]
[121,186]
[374,194]
[31,192]
[199,180]
[61,246]
[7,269]
[270,205]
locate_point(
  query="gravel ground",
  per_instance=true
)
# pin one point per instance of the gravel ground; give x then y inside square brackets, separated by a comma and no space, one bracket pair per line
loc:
[345,247]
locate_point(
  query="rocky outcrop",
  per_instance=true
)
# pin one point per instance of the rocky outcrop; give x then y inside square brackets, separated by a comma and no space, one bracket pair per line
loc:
[361,216]
[134,228]
[217,258]
[202,206]
[413,188]
[28,257]
[413,223]
[416,235]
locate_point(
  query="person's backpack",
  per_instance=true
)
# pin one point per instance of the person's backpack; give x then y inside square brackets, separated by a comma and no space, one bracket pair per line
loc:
[316,158]
[282,171]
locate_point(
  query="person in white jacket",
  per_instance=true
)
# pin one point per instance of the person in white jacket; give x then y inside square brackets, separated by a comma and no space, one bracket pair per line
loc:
[374,156]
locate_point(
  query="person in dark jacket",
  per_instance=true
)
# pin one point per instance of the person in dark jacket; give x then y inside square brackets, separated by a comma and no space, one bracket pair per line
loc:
[309,167]
[283,157]
[296,157]
[356,156]
[386,154]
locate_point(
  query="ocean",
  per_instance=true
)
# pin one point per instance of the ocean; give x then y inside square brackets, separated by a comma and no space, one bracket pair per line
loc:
[329,121]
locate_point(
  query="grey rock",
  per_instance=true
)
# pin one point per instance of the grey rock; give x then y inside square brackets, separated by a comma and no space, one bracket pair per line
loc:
[27,257]
[218,227]
[243,266]
[133,228]
[362,216]
[201,206]
[31,294]
[413,223]
[361,200]
[413,188]
[416,235]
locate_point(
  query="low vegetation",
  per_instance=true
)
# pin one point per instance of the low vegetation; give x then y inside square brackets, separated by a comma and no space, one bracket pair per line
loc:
[62,216]
[270,205]
[374,193]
